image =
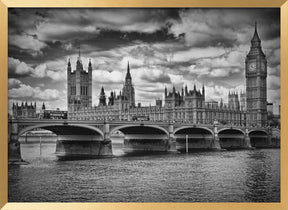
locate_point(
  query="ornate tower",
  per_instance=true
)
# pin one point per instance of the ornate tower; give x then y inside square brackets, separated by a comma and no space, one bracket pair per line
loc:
[128,89]
[102,98]
[243,100]
[79,86]
[256,83]
[233,101]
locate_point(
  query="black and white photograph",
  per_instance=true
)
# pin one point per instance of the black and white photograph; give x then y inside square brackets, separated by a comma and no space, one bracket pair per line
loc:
[144,105]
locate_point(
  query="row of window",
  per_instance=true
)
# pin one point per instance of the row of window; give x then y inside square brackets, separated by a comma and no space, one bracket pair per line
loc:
[83,90]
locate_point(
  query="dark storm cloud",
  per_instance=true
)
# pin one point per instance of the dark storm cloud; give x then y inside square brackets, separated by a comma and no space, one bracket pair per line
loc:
[71,21]
[224,27]
[163,46]
[53,29]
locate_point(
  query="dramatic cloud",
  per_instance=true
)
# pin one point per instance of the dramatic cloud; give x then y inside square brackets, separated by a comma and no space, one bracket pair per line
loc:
[106,77]
[164,47]
[153,76]
[220,27]
[27,42]
[13,83]
[17,69]
[26,92]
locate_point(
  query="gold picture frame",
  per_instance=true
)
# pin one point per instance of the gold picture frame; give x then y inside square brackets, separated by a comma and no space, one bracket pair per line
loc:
[5,4]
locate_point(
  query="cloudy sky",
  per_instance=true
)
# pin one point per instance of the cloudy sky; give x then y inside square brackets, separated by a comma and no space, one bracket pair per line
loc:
[163,46]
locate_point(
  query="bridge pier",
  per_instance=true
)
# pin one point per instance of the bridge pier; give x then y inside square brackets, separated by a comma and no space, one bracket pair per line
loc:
[215,141]
[80,146]
[106,147]
[247,139]
[84,144]
[171,139]
[269,138]
[14,152]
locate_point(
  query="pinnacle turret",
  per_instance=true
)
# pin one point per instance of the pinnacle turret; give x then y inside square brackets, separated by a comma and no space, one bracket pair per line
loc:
[102,98]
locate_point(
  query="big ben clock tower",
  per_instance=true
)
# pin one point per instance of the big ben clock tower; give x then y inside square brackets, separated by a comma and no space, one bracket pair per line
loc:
[256,83]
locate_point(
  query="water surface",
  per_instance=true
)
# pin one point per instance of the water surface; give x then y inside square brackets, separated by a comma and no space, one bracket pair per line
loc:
[223,176]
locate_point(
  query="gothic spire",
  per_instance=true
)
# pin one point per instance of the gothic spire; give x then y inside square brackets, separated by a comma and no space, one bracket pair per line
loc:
[255,44]
[128,75]
[90,66]
[203,90]
[165,91]
[69,65]
[79,53]
[255,36]
[102,91]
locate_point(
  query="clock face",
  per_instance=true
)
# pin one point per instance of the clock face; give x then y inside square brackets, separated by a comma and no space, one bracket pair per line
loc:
[252,67]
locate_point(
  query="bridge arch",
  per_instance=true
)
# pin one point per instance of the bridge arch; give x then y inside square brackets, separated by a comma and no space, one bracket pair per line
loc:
[75,140]
[238,129]
[131,129]
[258,138]
[193,127]
[232,138]
[258,130]
[143,138]
[61,129]
[197,138]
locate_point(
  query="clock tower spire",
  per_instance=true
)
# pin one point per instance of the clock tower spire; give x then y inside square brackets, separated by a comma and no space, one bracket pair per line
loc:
[256,83]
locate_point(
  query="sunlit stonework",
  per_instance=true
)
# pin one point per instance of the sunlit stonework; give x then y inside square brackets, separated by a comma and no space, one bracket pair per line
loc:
[183,105]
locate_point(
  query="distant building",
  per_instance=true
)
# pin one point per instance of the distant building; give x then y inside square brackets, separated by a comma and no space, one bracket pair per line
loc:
[24,110]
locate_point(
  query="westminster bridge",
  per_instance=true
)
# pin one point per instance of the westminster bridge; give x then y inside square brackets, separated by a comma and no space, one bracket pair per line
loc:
[76,138]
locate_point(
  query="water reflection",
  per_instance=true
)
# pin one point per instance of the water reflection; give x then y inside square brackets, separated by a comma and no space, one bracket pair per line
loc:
[223,176]
[260,175]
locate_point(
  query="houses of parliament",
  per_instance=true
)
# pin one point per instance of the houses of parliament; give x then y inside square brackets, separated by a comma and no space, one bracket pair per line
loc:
[190,106]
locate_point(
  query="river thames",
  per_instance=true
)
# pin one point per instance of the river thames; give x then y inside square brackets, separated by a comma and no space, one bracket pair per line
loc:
[220,176]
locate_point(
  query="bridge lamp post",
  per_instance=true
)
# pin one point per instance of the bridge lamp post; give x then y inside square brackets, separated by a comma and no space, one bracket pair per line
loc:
[187,148]
[40,145]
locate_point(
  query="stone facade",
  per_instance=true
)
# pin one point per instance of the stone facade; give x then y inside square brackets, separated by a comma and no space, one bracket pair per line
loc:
[256,83]
[190,106]
[24,110]
[79,86]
